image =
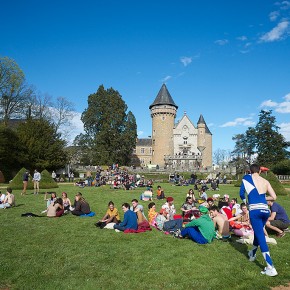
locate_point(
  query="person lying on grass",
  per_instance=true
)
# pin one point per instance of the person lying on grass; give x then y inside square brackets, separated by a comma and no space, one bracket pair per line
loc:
[81,206]
[200,230]
[130,219]
[111,216]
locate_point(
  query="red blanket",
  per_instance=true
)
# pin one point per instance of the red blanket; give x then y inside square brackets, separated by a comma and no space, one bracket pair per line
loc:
[142,227]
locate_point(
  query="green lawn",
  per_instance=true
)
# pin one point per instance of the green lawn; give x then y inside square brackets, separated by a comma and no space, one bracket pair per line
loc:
[71,253]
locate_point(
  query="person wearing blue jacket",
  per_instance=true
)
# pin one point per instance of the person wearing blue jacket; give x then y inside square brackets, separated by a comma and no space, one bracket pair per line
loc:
[130,219]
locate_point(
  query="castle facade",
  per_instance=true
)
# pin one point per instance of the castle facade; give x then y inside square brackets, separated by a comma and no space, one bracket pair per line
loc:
[174,145]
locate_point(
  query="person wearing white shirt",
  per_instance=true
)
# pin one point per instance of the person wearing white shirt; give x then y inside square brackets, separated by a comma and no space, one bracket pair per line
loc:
[36,180]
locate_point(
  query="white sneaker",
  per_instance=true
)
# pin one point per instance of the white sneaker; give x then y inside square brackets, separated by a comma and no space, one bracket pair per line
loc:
[252,257]
[269,272]
[44,211]
[116,230]
[71,208]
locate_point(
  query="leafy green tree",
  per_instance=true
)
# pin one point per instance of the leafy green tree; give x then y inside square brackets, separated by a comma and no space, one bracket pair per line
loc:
[263,140]
[271,145]
[44,148]
[110,131]
[11,152]
[14,92]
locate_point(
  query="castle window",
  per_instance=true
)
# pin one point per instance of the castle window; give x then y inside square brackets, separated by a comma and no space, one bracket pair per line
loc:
[163,118]
[134,151]
[153,141]
[150,150]
[142,150]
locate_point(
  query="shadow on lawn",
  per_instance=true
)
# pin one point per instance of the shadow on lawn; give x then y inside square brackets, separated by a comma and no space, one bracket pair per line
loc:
[243,249]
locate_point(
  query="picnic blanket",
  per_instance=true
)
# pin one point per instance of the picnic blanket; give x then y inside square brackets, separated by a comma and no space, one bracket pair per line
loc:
[88,214]
[142,227]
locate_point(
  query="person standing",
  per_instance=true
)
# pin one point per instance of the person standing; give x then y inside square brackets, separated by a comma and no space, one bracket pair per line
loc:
[53,175]
[25,179]
[256,188]
[36,180]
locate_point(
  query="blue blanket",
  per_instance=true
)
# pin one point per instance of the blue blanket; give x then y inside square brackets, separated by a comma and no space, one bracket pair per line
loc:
[88,214]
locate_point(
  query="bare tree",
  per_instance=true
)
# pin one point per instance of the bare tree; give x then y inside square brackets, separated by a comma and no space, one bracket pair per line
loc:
[63,113]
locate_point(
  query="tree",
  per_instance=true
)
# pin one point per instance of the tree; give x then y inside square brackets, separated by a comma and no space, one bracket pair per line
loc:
[11,152]
[110,132]
[271,145]
[263,142]
[44,146]
[14,92]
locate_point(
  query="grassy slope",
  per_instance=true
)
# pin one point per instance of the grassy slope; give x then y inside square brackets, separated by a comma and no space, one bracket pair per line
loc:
[70,253]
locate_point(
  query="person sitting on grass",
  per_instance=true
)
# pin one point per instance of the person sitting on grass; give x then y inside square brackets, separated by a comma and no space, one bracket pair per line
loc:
[130,219]
[221,224]
[152,213]
[235,207]
[187,209]
[200,230]
[169,206]
[49,200]
[192,195]
[66,201]
[2,197]
[139,210]
[9,199]
[241,225]
[160,192]
[278,220]
[166,225]
[203,194]
[81,206]
[55,209]
[111,216]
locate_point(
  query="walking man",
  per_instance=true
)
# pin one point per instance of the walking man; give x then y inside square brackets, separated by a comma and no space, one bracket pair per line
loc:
[256,188]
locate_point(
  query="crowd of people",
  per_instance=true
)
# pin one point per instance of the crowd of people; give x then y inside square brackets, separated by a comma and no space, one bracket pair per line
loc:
[201,218]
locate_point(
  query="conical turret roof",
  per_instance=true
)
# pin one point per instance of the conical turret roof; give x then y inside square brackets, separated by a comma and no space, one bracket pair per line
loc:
[163,98]
[202,121]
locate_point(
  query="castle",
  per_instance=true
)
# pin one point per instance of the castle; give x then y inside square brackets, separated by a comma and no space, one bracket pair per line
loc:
[178,146]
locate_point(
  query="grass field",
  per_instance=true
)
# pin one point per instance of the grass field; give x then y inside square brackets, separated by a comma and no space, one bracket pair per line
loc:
[71,253]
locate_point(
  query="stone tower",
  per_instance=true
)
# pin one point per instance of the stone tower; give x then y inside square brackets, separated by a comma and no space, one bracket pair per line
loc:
[204,142]
[163,112]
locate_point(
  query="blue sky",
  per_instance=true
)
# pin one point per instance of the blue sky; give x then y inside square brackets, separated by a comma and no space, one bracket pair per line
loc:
[226,60]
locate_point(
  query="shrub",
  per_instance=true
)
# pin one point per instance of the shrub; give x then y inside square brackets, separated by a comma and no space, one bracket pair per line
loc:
[275,183]
[45,183]
[282,167]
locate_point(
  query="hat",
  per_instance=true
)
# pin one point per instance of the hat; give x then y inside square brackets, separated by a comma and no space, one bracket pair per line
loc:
[209,199]
[203,209]
[169,198]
